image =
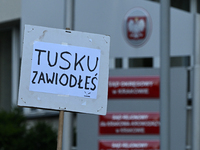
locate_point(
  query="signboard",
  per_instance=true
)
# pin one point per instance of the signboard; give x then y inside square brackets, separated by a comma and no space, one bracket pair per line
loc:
[64,70]
[129,123]
[134,87]
[129,145]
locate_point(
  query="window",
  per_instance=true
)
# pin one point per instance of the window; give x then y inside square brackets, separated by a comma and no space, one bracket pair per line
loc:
[118,63]
[180,61]
[180,4]
[140,62]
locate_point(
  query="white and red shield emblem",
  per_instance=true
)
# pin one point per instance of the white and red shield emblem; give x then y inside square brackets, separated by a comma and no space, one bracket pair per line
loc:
[136,28]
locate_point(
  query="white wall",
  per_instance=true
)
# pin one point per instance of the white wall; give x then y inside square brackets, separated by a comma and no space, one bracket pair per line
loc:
[10,10]
[107,17]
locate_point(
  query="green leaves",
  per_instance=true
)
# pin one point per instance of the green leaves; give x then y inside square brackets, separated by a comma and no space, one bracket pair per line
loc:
[15,136]
[41,136]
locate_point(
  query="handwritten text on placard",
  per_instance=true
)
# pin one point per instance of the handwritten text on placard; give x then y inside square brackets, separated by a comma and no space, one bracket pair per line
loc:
[65,69]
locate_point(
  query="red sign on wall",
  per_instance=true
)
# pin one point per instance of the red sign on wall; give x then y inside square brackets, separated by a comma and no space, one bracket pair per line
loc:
[134,87]
[129,145]
[129,123]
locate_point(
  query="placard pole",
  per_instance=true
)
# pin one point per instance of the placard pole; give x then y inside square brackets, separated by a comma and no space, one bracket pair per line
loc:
[60,130]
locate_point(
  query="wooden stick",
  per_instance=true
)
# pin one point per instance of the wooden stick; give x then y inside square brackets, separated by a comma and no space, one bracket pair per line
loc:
[60,126]
[60,130]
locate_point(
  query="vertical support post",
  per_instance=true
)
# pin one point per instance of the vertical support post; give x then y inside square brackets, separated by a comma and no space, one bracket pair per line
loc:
[15,65]
[165,74]
[60,130]
[69,14]
[196,80]
[67,131]
[68,116]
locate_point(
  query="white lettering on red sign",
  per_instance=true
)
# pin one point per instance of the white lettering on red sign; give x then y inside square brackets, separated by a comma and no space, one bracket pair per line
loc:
[129,123]
[133,87]
[129,145]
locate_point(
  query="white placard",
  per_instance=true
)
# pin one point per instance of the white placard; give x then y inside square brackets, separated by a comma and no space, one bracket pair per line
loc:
[65,69]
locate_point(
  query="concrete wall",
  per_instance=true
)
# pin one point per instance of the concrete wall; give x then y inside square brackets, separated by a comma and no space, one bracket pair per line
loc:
[10,10]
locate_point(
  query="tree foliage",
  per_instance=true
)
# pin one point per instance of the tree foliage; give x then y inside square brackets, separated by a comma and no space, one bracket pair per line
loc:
[15,136]
[41,136]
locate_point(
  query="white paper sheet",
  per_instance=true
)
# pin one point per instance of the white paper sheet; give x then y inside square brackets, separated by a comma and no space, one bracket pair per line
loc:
[65,70]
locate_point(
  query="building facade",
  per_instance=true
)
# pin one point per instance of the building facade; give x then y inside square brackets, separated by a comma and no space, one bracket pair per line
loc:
[103,17]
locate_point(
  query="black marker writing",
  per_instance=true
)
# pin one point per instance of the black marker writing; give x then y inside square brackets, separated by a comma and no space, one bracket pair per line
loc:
[88,62]
[69,64]
[39,54]
[55,61]
[78,62]
[81,82]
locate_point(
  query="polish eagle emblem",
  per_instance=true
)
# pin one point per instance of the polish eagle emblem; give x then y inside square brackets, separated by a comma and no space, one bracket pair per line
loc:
[136,28]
